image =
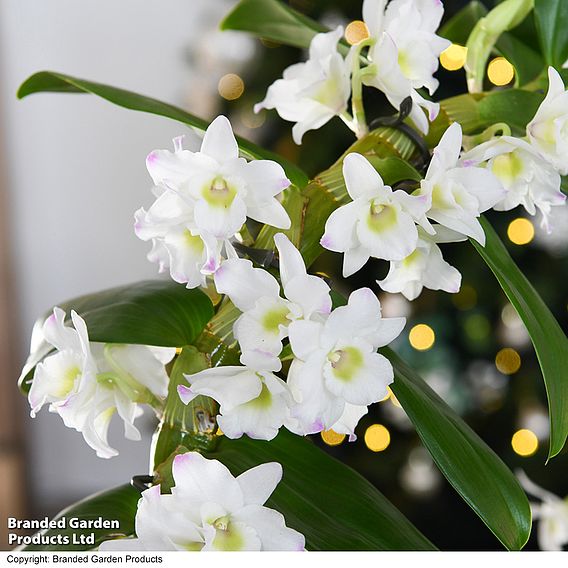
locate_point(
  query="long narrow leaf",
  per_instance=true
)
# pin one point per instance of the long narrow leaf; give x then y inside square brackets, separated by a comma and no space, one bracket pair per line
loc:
[472,468]
[331,504]
[50,81]
[272,20]
[552,23]
[550,342]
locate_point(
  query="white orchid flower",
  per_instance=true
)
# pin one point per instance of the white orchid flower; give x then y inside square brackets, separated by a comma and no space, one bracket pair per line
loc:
[312,93]
[425,267]
[548,130]
[459,191]
[266,316]
[203,199]
[211,510]
[253,401]
[406,52]
[551,514]
[337,364]
[177,244]
[378,222]
[221,188]
[528,180]
[86,383]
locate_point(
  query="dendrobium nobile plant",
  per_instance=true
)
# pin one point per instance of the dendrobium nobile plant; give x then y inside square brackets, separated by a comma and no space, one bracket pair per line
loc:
[242,352]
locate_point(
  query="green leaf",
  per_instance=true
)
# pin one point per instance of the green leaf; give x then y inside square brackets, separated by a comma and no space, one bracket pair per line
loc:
[272,20]
[50,81]
[527,62]
[333,506]
[552,24]
[160,313]
[472,468]
[550,342]
[459,26]
[476,112]
[116,504]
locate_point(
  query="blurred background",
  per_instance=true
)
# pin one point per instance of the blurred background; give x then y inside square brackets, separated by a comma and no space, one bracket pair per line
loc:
[72,174]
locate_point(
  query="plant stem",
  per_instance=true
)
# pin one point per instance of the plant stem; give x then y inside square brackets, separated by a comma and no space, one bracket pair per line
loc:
[358,109]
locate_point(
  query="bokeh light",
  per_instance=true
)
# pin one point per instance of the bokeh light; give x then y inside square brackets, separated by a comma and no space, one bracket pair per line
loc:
[466,298]
[356,32]
[332,438]
[508,361]
[500,72]
[477,327]
[231,86]
[422,337]
[524,442]
[520,231]
[377,438]
[453,58]
[251,119]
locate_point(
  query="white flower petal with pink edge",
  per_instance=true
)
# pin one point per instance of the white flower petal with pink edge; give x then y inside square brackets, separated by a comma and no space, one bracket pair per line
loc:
[349,420]
[211,510]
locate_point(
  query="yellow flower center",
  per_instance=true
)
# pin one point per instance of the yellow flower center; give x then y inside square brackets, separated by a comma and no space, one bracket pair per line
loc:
[219,193]
[346,362]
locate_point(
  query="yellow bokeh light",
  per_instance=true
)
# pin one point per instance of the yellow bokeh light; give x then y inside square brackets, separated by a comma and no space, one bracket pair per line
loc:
[377,438]
[524,442]
[500,72]
[231,86]
[520,231]
[356,32]
[508,361]
[422,337]
[453,58]
[332,438]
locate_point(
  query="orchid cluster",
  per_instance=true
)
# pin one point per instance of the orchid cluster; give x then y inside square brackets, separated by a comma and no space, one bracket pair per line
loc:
[309,362]
[403,55]
[203,199]
[87,382]
[335,371]
[500,173]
